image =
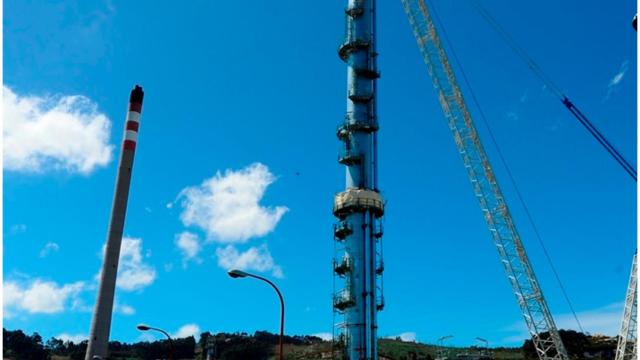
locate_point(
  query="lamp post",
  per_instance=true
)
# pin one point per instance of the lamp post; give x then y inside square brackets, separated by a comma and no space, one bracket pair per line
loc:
[441,340]
[143,327]
[486,345]
[241,274]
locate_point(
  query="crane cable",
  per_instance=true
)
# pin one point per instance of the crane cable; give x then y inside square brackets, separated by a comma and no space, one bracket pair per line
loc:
[504,163]
[556,90]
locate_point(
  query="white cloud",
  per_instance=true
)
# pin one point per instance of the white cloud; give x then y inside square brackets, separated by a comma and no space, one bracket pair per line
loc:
[187,330]
[78,304]
[405,336]
[133,272]
[189,245]
[227,206]
[54,133]
[76,339]
[255,258]
[620,75]
[617,78]
[324,336]
[49,248]
[124,309]
[39,297]
[605,320]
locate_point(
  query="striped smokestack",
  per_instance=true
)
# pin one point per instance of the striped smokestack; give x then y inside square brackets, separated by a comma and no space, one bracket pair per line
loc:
[101,323]
[133,119]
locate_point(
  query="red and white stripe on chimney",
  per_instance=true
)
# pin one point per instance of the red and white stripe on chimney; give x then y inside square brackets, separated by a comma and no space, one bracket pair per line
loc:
[133,120]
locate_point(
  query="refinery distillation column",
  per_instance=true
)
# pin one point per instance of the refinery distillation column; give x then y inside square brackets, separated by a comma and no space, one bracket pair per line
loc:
[358,261]
[101,323]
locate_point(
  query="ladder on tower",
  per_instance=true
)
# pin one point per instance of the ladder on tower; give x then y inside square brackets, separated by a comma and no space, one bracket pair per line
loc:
[627,339]
[533,306]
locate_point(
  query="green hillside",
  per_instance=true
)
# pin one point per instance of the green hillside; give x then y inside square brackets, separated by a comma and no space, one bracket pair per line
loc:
[262,345]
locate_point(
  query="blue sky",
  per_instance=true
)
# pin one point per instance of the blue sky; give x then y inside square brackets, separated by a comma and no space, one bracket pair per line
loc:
[245,100]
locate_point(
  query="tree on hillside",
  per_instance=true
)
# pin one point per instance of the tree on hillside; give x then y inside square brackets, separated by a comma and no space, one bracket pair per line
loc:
[55,346]
[247,350]
[576,344]
[17,345]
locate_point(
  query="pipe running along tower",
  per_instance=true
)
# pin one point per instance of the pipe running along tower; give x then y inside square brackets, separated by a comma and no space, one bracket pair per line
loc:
[358,262]
[101,323]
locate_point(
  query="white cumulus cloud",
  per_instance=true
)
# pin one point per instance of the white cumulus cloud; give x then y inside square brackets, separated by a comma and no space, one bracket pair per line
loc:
[39,296]
[227,206]
[48,249]
[187,330]
[54,133]
[255,258]
[133,272]
[189,245]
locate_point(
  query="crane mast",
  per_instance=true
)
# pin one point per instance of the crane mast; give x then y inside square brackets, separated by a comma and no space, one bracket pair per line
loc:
[626,349]
[533,306]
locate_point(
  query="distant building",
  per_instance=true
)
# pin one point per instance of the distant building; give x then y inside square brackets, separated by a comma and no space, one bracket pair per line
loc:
[467,356]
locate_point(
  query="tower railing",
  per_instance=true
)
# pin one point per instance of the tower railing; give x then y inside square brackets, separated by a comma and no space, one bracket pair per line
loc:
[352,200]
[355,9]
[343,299]
[378,230]
[343,265]
[342,229]
[345,129]
[349,157]
[353,40]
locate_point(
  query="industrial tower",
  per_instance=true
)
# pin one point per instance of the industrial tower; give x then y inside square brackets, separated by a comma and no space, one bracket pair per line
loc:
[628,337]
[101,323]
[506,238]
[358,263]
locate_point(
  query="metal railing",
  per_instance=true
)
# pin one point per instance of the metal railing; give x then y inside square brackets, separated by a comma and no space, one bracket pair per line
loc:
[342,229]
[347,204]
[349,157]
[343,266]
[343,299]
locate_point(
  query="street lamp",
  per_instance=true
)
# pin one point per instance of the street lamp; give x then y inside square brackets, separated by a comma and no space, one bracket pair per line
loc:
[441,340]
[143,327]
[486,345]
[241,274]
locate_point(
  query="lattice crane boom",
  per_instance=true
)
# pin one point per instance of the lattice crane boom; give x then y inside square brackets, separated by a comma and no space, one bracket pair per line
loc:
[626,349]
[542,328]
